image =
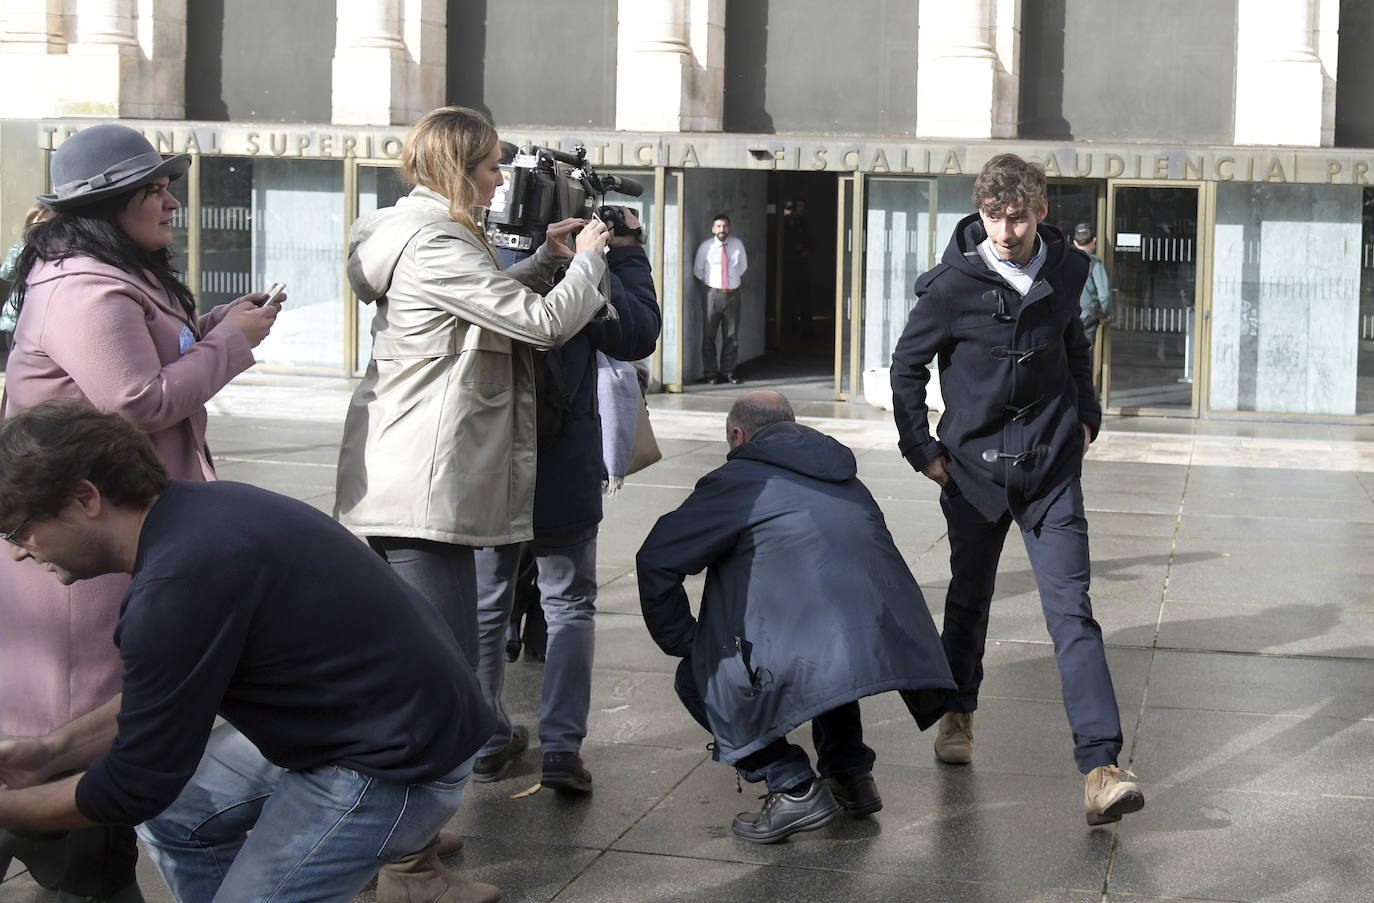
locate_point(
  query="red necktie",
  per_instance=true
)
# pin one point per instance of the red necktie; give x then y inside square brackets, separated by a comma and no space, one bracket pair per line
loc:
[724,267]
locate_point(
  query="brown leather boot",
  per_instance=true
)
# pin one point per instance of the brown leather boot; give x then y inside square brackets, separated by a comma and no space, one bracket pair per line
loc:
[422,878]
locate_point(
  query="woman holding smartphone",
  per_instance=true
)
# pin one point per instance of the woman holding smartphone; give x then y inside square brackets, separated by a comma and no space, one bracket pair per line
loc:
[438,452]
[103,317]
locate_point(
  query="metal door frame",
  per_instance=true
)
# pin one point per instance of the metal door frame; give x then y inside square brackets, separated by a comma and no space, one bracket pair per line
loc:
[848,277]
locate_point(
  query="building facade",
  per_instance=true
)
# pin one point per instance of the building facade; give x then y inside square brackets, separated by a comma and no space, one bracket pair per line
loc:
[1222,149]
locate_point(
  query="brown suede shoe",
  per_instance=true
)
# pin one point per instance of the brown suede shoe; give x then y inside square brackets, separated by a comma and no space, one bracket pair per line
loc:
[422,878]
[954,740]
[1106,797]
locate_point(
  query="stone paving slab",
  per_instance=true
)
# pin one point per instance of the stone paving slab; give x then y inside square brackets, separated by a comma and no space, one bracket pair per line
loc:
[1232,580]
[1320,629]
[1229,845]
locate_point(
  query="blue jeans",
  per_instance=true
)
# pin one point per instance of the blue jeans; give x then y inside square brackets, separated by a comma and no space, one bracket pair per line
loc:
[316,835]
[1058,552]
[567,593]
[838,735]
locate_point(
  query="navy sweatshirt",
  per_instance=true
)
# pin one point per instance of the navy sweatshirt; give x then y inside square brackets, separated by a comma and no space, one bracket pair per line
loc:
[257,607]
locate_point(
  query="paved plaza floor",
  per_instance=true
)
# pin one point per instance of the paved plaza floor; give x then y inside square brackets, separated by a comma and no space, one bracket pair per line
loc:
[1235,587]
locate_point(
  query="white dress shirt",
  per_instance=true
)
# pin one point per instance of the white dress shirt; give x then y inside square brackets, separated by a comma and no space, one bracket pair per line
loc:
[707,264]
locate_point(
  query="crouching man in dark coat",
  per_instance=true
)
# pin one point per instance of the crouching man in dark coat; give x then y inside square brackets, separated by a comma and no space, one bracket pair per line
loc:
[808,607]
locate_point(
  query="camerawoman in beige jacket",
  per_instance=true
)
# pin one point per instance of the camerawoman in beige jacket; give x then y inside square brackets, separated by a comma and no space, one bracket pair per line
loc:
[439,442]
[438,452]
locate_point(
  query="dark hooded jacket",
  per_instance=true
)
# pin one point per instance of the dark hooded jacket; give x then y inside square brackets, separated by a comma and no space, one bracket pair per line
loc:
[808,604]
[571,468]
[1016,375]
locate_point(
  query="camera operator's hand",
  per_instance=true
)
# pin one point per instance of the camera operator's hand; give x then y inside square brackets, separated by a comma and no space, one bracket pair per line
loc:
[593,237]
[635,238]
[556,238]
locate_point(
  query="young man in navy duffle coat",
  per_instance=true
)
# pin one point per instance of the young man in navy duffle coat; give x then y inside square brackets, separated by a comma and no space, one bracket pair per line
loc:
[1000,312]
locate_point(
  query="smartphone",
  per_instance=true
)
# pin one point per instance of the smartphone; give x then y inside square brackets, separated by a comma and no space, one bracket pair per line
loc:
[274,291]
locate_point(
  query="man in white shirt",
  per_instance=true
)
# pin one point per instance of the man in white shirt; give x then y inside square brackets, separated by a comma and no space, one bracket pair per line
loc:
[720,263]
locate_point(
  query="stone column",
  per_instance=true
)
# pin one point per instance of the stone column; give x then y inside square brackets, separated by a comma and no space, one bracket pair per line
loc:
[35,41]
[974,45]
[105,22]
[372,62]
[116,58]
[425,32]
[159,90]
[33,27]
[1285,72]
[670,75]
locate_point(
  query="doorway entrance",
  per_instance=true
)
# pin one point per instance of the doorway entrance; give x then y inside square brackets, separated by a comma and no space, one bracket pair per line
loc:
[800,322]
[1154,276]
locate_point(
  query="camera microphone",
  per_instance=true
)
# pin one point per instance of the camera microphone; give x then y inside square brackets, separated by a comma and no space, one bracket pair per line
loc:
[622,185]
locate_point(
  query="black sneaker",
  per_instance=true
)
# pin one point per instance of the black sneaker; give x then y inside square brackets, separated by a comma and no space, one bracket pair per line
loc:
[857,794]
[563,771]
[784,814]
[491,768]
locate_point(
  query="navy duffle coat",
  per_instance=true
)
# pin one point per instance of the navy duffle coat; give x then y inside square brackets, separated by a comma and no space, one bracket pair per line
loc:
[1015,373]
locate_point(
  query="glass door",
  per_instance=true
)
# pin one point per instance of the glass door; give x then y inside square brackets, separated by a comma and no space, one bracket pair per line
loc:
[1153,260]
[898,242]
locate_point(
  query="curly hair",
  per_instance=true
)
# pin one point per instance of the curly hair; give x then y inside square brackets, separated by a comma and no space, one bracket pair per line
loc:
[1008,182]
[47,449]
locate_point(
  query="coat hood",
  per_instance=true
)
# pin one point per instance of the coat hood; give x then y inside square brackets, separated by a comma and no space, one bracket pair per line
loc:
[962,252]
[376,240]
[809,452]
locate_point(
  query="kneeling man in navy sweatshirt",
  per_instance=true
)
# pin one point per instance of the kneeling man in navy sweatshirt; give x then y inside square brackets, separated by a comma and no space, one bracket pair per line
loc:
[257,608]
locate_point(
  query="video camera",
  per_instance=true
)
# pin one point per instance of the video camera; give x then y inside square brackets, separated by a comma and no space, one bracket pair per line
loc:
[543,186]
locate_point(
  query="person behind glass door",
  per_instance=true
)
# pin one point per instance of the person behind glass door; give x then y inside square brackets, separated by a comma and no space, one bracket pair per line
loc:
[438,451]
[796,263]
[1095,304]
[719,266]
[102,316]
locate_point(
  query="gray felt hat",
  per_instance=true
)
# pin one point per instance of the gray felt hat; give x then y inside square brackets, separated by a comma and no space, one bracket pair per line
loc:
[104,160]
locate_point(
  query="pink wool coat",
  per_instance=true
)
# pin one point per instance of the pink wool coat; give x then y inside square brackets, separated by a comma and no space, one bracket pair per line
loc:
[91,331]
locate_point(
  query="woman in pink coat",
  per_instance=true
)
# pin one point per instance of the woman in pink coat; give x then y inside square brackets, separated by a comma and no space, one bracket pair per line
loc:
[104,317]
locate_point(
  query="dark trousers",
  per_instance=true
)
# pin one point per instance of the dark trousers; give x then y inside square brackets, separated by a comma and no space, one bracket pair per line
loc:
[722,315]
[1058,552]
[445,575]
[90,862]
[838,735]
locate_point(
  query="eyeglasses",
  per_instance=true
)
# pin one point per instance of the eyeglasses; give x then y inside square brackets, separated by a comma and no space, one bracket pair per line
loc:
[15,537]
